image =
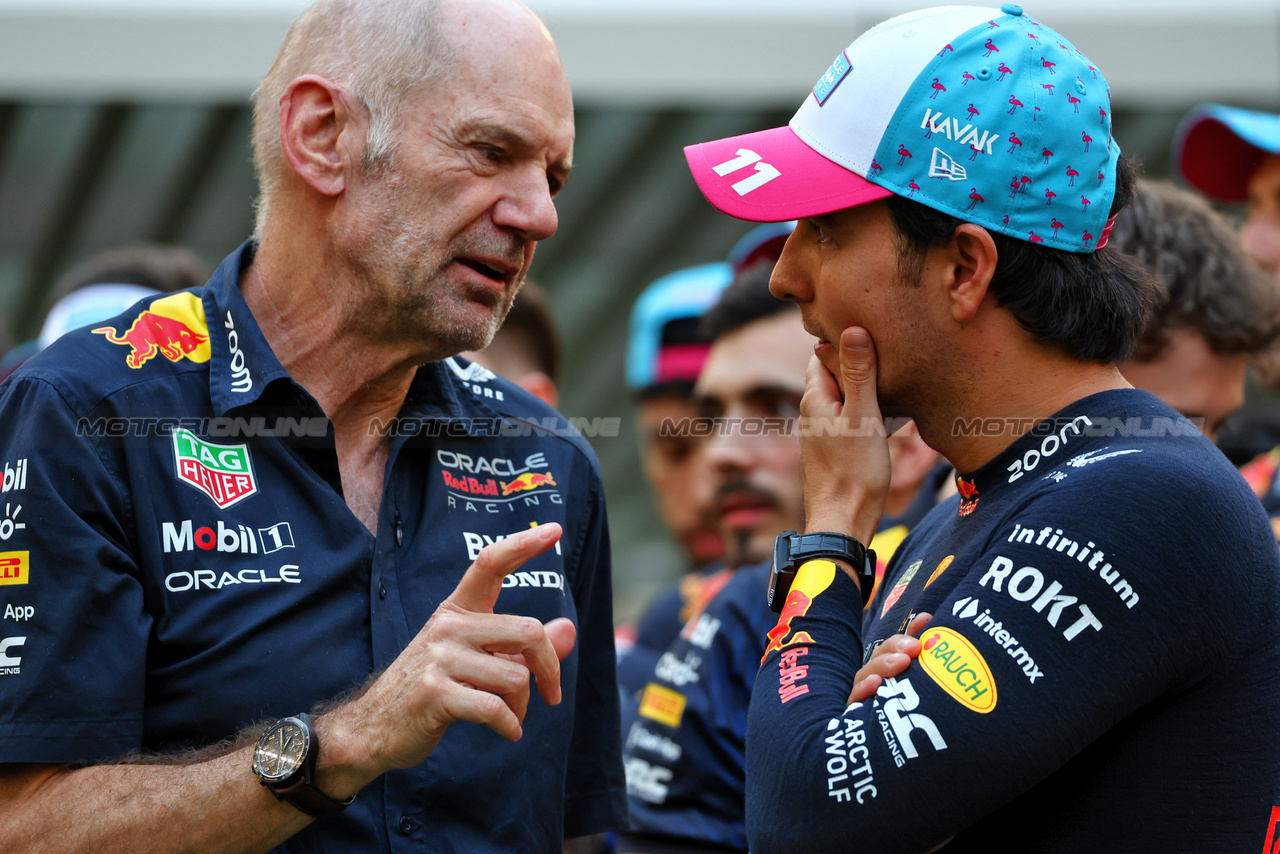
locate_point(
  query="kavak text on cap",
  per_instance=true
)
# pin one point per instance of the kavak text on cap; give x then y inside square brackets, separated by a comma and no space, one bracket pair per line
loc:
[985,114]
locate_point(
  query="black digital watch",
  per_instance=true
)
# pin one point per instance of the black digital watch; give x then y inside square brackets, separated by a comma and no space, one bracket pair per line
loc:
[791,550]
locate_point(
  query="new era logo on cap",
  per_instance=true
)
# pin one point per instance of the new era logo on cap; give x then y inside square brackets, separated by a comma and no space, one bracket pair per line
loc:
[1000,101]
[942,166]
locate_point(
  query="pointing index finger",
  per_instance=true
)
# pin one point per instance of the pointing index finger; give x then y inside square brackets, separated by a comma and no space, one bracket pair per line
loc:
[480,585]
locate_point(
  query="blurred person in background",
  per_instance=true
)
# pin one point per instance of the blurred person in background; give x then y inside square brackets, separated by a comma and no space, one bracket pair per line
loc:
[685,742]
[257,628]
[105,285]
[1214,309]
[666,352]
[664,355]
[526,348]
[1232,156]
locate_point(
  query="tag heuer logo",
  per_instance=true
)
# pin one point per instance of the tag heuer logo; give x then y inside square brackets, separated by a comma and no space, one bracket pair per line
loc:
[222,472]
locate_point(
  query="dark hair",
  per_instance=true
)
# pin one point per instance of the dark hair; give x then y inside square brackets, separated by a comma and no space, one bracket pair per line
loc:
[161,268]
[530,318]
[1207,282]
[746,300]
[1091,305]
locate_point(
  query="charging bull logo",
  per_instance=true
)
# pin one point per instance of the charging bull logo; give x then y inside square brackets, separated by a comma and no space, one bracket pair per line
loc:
[811,579]
[173,326]
[528,480]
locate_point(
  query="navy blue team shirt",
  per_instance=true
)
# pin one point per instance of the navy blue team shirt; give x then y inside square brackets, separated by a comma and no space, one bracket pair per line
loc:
[178,563]
[1102,671]
[685,739]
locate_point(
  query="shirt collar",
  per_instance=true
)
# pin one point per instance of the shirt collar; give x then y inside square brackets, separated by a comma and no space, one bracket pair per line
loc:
[242,363]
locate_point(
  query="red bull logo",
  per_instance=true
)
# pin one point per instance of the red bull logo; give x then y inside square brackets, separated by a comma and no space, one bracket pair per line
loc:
[968,490]
[811,579]
[173,327]
[528,480]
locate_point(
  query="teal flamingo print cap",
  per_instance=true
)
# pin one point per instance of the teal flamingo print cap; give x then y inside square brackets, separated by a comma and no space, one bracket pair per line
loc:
[984,114]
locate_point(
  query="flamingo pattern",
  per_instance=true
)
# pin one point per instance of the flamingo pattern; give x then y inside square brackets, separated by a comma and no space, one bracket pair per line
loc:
[964,116]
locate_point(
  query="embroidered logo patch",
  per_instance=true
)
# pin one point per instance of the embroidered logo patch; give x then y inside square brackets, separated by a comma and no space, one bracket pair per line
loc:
[828,82]
[222,472]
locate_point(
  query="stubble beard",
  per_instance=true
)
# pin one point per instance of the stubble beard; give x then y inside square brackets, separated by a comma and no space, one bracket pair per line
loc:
[426,307]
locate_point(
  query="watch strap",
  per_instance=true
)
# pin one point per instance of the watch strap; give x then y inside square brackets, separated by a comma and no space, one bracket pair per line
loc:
[307,797]
[820,545]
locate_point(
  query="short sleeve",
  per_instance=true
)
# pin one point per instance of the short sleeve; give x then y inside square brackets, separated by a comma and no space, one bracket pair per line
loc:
[73,627]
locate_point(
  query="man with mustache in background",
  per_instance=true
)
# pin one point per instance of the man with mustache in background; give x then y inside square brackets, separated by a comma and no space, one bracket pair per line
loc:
[684,747]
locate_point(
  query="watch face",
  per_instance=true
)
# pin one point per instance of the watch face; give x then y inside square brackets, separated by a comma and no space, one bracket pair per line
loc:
[281,750]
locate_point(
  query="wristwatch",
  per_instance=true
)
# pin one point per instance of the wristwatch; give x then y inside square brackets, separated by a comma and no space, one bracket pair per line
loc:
[791,550]
[285,762]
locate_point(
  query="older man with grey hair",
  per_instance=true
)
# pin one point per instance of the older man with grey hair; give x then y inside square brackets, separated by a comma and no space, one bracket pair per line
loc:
[239,519]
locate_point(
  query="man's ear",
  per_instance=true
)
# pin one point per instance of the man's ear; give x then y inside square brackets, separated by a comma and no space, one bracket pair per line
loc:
[973,257]
[318,129]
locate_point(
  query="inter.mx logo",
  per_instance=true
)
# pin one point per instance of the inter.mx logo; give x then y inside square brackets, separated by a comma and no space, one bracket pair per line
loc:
[222,472]
[746,157]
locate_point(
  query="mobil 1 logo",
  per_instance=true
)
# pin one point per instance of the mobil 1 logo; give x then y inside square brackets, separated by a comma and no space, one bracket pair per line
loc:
[184,536]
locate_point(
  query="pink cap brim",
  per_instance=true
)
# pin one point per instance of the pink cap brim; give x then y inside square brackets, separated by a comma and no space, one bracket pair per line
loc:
[772,175]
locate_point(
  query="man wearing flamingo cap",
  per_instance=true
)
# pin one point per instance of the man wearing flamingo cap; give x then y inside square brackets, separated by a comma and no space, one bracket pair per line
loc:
[1104,654]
